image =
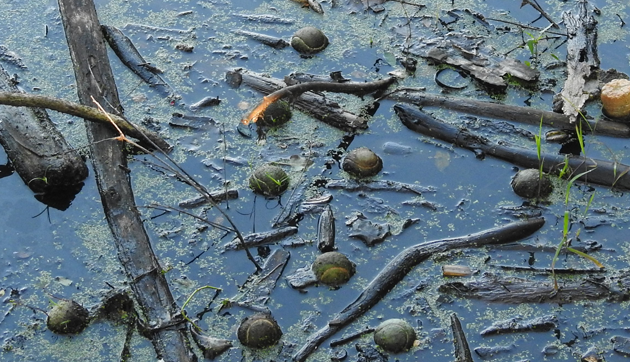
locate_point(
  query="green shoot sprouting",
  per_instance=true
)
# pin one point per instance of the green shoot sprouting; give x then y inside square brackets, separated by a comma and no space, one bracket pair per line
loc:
[183,312]
[565,229]
[532,44]
[565,169]
[277,182]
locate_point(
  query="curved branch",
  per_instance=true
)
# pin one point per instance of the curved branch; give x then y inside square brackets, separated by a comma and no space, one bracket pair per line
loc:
[297,89]
[85,112]
[403,263]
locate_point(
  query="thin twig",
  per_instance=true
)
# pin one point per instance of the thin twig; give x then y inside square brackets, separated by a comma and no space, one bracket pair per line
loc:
[542,12]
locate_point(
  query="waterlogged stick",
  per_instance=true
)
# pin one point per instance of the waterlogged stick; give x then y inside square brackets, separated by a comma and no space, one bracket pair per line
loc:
[403,263]
[295,90]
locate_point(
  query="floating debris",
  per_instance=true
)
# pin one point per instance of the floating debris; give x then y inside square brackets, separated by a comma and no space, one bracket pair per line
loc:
[258,239]
[367,231]
[206,102]
[456,270]
[265,18]
[272,41]
[326,230]
[517,324]
[302,278]
[211,347]
[10,57]
[217,196]
[352,185]
[130,56]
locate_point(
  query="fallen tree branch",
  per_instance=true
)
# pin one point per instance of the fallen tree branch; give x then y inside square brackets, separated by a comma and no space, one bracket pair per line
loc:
[146,278]
[600,172]
[85,112]
[403,263]
[297,90]
[508,112]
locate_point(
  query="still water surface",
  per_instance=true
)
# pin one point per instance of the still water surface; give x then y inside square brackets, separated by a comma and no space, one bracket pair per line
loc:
[71,254]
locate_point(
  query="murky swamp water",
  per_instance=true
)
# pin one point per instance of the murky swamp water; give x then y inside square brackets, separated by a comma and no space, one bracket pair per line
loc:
[71,253]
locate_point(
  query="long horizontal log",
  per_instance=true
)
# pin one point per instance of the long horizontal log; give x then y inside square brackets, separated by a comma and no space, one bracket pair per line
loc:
[600,172]
[403,263]
[527,115]
[512,290]
[85,112]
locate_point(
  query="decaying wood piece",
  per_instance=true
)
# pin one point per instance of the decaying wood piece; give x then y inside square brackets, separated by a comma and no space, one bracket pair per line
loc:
[513,290]
[605,173]
[582,59]
[326,230]
[517,324]
[272,41]
[130,56]
[462,351]
[37,150]
[357,88]
[378,185]
[85,112]
[508,112]
[262,238]
[146,277]
[216,196]
[403,263]
[316,105]
[256,290]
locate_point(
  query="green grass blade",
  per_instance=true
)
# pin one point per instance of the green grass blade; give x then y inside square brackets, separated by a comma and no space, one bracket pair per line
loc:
[584,255]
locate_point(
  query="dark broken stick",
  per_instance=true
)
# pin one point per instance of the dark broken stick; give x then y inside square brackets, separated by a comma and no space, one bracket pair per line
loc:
[542,12]
[295,90]
[403,263]
[131,57]
[509,112]
[462,351]
[262,238]
[83,111]
[600,172]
